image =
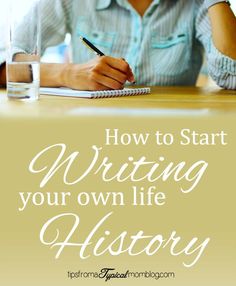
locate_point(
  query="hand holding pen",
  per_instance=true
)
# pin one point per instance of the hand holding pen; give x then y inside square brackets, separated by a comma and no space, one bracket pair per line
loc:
[108,72]
[101,73]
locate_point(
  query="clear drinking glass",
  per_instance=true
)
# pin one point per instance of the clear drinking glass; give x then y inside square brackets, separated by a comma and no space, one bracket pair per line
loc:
[23,50]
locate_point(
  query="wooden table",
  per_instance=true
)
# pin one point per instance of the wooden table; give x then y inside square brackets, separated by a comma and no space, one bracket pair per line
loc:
[161,101]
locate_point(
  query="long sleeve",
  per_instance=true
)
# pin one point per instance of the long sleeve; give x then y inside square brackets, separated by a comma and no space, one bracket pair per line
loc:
[55,23]
[221,68]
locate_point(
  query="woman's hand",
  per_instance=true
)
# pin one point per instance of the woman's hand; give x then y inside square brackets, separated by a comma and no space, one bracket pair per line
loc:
[101,73]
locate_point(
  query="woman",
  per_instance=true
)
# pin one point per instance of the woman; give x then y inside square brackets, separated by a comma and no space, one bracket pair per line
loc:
[162,41]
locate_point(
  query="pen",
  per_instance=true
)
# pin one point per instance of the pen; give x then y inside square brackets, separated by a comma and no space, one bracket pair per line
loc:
[91,47]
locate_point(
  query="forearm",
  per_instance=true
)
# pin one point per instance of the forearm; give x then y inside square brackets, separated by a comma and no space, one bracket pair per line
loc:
[101,73]
[52,75]
[3,75]
[223,23]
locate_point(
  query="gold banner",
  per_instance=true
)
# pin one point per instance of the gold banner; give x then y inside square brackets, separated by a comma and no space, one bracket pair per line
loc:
[125,200]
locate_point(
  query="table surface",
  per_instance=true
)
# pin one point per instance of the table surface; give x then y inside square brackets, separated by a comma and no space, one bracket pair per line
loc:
[162,101]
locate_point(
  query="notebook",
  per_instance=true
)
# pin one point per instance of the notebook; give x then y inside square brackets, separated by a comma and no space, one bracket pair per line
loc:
[94,94]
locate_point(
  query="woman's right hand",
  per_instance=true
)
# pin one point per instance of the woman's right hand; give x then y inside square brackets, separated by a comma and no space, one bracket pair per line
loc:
[101,73]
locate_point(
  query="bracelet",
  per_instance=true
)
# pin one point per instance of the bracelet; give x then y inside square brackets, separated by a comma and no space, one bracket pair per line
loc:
[210,3]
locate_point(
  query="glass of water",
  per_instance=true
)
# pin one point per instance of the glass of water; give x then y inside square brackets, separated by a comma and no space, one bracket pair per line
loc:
[23,50]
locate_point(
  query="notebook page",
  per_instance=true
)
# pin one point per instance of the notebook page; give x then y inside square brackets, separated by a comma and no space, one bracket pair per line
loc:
[65,92]
[93,94]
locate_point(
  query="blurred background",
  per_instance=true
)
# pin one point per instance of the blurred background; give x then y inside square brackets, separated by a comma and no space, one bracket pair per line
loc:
[61,53]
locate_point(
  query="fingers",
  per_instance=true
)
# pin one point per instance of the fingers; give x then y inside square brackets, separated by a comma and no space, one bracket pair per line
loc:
[107,82]
[111,72]
[97,86]
[114,74]
[131,77]
[120,65]
[101,73]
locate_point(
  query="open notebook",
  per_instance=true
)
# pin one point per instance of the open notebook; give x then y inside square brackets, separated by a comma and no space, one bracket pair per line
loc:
[94,94]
